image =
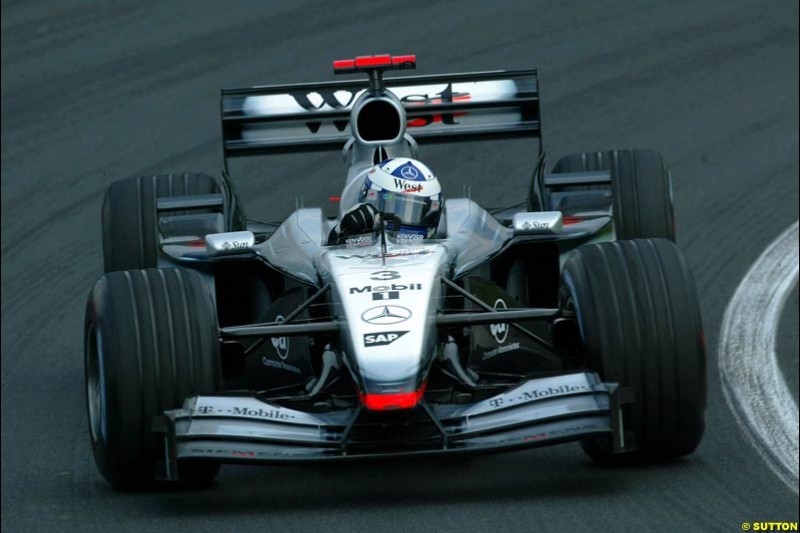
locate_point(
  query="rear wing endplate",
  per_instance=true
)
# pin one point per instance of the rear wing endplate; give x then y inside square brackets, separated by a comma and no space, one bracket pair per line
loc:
[444,108]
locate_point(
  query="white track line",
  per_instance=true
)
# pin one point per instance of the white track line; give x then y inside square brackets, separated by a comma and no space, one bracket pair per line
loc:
[752,382]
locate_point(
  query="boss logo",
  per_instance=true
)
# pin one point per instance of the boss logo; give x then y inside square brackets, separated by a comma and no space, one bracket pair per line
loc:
[382,339]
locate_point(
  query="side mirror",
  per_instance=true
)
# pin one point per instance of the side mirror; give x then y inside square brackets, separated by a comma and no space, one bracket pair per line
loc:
[233,242]
[537,223]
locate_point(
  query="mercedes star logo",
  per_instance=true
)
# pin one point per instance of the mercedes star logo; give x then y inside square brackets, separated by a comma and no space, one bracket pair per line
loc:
[409,172]
[385,314]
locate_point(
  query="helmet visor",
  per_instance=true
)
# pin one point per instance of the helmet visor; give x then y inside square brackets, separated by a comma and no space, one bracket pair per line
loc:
[407,209]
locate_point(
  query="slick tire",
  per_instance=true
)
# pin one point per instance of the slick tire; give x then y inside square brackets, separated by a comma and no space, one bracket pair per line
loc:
[130,232]
[641,186]
[639,318]
[150,341]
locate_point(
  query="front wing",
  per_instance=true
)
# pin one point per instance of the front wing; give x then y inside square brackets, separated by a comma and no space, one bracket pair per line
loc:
[538,412]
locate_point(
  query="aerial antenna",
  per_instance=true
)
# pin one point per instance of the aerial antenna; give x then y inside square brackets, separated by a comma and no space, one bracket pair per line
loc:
[383,238]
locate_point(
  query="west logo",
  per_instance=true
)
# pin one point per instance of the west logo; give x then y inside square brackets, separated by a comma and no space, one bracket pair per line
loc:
[394,288]
[326,99]
[382,339]
[445,97]
[405,186]
[342,100]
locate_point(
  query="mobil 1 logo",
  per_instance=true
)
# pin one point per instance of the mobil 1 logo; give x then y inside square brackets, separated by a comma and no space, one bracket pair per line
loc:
[388,295]
[383,338]
[386,292]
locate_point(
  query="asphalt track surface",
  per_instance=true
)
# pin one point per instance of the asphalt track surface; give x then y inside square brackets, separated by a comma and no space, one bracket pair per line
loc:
[94,92]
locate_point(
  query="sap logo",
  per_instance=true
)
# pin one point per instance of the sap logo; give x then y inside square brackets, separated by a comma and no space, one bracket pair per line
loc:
[382,339]
[404,186]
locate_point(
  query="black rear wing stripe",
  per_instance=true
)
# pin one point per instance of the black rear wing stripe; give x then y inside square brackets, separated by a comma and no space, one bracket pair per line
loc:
[358,84]
[412,110]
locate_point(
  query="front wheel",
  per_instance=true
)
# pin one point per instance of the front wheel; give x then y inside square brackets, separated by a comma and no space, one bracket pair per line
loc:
[639,320]
[151,341]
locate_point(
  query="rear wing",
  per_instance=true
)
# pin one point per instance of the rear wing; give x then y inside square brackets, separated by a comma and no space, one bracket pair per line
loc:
[444,108]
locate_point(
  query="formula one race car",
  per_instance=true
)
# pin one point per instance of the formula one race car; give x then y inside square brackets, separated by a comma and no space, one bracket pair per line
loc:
[217,339]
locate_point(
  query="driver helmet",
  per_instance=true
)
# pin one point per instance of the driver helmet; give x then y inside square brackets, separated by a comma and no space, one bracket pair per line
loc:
[408,195]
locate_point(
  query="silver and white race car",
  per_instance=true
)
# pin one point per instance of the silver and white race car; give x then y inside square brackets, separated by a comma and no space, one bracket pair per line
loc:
[571,316]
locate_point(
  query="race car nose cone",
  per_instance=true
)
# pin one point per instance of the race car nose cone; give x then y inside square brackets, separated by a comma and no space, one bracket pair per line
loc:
[393,401]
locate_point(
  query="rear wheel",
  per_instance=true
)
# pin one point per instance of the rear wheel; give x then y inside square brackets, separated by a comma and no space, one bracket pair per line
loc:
[151,341]
[639,320]
[130,232]
[641,187]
